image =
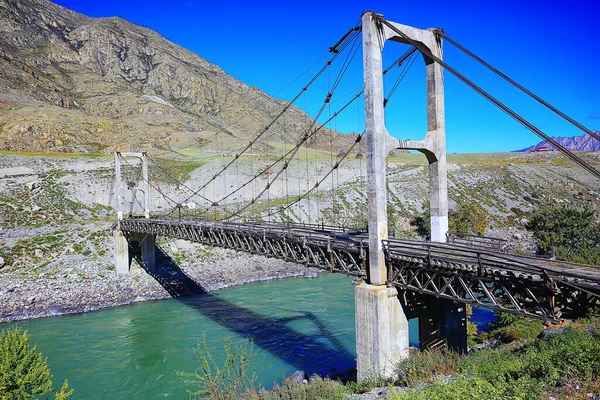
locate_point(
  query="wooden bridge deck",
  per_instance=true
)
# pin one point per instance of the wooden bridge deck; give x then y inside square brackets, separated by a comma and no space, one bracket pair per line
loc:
[536,287]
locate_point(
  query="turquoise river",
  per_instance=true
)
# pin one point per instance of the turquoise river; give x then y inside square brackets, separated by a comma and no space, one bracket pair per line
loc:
[135,351]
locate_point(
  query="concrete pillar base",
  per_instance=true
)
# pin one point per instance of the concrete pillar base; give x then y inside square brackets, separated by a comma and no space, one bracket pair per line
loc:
[381,331]
[443,323]
[121,248]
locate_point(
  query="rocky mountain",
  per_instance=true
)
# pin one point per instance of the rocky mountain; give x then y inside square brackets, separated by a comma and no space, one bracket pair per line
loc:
[575,143]
[72,83]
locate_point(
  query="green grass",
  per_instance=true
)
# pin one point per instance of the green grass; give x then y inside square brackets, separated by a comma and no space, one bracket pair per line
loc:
[167,170]
[55,205]
[529,371]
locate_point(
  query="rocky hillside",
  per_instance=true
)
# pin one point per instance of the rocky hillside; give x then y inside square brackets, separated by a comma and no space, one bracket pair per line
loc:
[71,83]
[575,143]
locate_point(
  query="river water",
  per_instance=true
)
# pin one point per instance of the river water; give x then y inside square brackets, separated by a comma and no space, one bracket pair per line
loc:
[135,351]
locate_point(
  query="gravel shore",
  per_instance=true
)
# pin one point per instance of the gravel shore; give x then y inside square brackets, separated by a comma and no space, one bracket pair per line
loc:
[74,283]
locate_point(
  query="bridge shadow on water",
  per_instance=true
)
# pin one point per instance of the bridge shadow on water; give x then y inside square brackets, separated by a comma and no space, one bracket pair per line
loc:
[320,353]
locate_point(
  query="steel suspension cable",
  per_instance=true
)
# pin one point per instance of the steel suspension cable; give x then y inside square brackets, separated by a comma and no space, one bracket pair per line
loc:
[272,97]
[310,133]
[425,50]
[268,183]
[400,60]
[402,75]
[287,190]
[519,86]
[320,181]
[331,163]
[293,152]
[353,35]
[358,140]
[397,62]
[179,182]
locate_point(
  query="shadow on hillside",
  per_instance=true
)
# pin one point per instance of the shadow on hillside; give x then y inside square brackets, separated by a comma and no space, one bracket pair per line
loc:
[309,353]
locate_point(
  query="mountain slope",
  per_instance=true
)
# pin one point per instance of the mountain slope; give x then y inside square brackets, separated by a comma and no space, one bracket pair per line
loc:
[73,83]
[576,143]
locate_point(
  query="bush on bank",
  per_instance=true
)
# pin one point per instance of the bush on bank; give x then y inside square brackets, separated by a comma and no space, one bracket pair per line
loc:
[564,365]
[24,372]
[555,364]
[571,233]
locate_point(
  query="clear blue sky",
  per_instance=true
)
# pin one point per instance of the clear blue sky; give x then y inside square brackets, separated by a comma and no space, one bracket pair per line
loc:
[552,47]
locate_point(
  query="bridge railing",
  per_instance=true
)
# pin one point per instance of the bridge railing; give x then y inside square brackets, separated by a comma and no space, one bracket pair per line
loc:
[308,226]
[477,241]
[491,261]
[498,281]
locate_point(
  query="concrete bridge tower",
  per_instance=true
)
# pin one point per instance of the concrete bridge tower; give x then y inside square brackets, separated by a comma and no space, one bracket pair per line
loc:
[381,321]
[136,244]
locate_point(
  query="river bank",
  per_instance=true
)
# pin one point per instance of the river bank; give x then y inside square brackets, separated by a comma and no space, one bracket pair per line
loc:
[137,351]
[66,282]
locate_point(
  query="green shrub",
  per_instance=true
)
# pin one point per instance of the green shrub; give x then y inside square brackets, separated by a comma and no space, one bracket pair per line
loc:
[494,365]
[551,365]
[521,329]
[318,388]
[425,365]
[469,218]
[232,380]
[586,254]
[24,372]
[471,387]
[573,354]
[572,231]
[511,327]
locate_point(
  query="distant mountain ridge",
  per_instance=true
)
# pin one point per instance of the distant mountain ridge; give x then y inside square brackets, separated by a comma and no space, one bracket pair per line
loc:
[71,83]
[575,143]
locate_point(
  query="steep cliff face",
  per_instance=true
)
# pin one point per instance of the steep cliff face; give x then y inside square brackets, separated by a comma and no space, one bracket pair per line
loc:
[73,83]
[576,143]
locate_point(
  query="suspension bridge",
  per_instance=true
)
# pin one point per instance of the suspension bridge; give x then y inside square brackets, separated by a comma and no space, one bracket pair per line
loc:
[275,207]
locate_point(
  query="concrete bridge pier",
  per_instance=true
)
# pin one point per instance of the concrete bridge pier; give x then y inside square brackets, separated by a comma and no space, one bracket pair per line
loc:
[129,246]
[381,331]
[121,248]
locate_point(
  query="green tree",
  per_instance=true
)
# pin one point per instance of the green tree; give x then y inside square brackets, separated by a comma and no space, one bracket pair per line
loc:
[466,218]
[24,372]
[469,218]
[422,222]
[572,231]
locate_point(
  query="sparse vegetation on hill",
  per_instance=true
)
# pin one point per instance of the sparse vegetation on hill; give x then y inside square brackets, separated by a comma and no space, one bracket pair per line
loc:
[70,83]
